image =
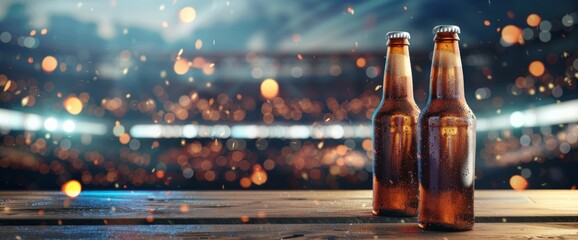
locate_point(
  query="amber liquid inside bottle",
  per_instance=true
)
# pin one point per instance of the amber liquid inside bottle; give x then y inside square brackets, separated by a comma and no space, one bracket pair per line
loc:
[395,183]
[447,144]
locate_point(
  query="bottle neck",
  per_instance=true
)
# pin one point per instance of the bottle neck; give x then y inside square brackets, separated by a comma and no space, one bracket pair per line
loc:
[397,78]
[447,78]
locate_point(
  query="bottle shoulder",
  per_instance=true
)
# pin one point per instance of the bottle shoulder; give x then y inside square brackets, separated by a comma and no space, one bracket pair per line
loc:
[402,107]
[447,108]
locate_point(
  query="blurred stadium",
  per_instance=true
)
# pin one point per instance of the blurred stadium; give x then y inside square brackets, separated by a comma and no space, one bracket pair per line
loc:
[269,94]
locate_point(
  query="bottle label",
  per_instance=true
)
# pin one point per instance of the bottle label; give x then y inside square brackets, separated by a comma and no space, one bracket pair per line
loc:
[448,153]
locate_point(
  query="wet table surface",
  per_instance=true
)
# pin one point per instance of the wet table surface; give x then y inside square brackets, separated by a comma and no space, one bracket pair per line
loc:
[270,214]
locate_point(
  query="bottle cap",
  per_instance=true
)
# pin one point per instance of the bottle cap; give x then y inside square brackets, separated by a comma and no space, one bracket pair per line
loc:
[397,34]
[446,28]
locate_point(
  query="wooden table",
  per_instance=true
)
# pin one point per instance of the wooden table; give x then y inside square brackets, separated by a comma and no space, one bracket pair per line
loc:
[270,214]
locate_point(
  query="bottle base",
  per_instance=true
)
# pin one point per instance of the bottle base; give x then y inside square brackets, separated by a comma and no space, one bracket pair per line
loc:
[444,227]
[393,213]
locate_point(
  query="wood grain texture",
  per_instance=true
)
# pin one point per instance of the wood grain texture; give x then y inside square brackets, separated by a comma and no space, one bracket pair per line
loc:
[300,231]
[270,214]
[293,206]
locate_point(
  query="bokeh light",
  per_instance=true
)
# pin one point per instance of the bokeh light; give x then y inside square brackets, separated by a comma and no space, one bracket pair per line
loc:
[536,68]
[181,66]
[124,138]
[73,105]
[518,183]
[173,102]
[511,34]
[360,62]
[198,44]
[49,64]
[72,188]
[533,20]
[259,176]
[68,126]
[187,14]
[50,124]
[269,88]
[245,182]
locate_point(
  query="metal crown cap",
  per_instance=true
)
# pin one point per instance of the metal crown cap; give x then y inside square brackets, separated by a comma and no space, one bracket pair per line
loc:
[446,28]
[397,34]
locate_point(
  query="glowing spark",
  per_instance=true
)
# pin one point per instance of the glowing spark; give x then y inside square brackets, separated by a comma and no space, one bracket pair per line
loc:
[7,86]
[180,53]
[25,100]
[377,87]
[350,10]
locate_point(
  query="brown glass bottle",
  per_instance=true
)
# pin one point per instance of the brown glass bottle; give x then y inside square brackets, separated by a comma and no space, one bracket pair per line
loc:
[447,142]
[395,182]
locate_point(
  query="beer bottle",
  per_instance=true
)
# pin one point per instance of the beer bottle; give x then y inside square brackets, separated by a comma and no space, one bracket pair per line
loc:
[447,142]
[395,182]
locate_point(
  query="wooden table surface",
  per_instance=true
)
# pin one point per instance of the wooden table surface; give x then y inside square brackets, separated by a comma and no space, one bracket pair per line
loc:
[270,214]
